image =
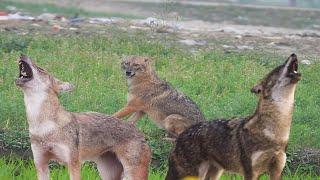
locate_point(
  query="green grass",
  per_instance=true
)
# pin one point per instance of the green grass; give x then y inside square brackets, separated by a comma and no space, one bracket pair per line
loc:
[39,8]
[220,83]
[22,170]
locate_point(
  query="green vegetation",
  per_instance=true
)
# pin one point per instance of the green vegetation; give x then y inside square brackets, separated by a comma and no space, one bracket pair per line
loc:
[22,170]
[219,82]
[39,8]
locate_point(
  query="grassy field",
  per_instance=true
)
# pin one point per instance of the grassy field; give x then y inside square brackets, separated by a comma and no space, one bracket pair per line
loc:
[219,82]
[20,170]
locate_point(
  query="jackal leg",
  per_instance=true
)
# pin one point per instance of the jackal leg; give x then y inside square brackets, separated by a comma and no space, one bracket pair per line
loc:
[277,166]
[41,160]
[176,124]
[74,167]
[253,176]
[135,158]
[135,117]
[109,167]
[125,111]
[214,173]
[172,173]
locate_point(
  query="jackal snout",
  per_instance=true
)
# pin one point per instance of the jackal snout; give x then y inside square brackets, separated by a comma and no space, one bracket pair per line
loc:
[135,66]
[282,79]
[34,78]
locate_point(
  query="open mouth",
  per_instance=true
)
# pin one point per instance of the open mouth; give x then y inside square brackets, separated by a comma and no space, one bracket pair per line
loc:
[25,71]
[293,70]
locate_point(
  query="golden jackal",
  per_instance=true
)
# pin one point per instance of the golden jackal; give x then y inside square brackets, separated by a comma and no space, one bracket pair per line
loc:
[71,138]
[148,94]
[248,146]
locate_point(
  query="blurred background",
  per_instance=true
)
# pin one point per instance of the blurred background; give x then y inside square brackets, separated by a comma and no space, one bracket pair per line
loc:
[274,25]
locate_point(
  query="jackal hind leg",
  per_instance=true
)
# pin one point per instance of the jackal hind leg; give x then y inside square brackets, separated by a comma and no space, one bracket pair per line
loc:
[176,124]
[214,173]
[109,167]
[135,158]
[74,167]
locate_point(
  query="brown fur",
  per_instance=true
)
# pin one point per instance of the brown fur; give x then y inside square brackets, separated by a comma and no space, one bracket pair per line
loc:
[248,146]
[148,94]
[116,146]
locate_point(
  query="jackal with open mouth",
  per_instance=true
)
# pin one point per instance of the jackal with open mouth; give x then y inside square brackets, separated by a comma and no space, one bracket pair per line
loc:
[148,94]
[116,146]
[248,146]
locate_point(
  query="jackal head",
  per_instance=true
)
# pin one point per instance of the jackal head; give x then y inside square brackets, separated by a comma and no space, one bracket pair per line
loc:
[34,79]
[281,82]
[136,66]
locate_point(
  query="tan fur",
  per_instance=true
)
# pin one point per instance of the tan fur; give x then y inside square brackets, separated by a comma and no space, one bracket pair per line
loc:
[150,95]
[71,138]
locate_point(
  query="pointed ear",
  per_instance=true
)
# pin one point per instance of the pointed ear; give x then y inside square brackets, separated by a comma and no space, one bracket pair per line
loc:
[147,59]
[257,89]
[61,86]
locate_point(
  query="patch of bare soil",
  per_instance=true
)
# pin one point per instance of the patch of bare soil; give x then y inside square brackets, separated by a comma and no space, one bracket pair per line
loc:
[306,156]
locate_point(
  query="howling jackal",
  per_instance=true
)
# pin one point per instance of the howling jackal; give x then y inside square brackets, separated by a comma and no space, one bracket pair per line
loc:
[248,146]
[148,94]
[72,138]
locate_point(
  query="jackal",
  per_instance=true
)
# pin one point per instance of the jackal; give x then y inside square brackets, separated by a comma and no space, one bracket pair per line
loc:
[248,146]
[71,138]
[148,94]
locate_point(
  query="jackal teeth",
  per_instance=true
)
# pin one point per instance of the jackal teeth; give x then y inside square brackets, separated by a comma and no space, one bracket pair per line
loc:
[295,72]
[23,73]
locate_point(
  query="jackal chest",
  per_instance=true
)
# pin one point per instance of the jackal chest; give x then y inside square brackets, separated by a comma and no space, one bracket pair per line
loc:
[261,159]
[57,151]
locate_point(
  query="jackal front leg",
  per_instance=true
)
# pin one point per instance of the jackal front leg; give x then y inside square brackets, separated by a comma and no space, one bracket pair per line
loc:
[277,166]
[135,117]
[41,160]
[74,168]
[125,111]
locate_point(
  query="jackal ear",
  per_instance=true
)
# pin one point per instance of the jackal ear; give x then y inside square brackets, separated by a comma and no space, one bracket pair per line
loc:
[257,89]
[66,87]
[147,59]
[61,86]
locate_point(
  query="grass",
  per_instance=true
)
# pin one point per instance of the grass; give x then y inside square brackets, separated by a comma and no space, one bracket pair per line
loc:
[21,170]
[39,8]
[219,82]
